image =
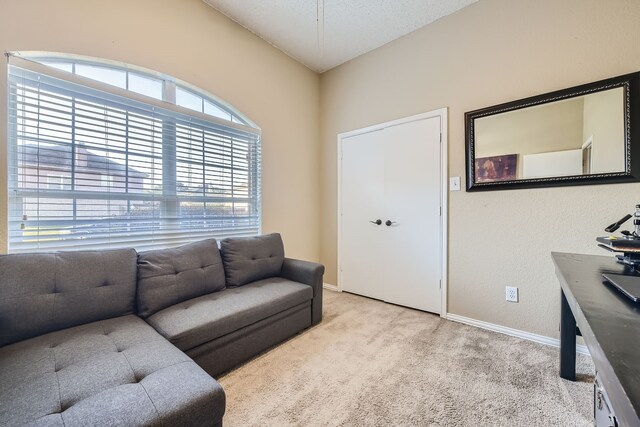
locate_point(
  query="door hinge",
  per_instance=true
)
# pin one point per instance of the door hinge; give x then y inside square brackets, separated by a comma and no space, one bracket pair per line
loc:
[440,137]
[440,281]
[440,210]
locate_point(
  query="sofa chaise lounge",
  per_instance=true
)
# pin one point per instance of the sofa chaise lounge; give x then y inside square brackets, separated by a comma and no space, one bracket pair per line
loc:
[120,338]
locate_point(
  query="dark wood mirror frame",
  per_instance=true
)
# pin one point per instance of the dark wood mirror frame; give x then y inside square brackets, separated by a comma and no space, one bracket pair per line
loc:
[631,85]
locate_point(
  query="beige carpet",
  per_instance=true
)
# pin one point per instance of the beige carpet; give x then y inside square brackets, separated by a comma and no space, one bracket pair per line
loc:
[373,364]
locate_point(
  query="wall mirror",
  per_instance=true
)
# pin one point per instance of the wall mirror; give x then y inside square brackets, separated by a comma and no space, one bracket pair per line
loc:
[581,135]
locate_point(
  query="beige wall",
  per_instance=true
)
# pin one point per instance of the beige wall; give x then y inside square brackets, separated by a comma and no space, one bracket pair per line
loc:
[492,52]
[191,41]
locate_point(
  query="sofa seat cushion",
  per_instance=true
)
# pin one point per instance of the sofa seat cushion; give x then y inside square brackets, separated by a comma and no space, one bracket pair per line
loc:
[203,319]
[112,372]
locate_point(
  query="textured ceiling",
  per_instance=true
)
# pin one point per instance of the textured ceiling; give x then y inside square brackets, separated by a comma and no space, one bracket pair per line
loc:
[351,27]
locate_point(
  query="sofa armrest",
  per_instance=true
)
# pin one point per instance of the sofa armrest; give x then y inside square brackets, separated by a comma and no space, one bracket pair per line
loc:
[309,273]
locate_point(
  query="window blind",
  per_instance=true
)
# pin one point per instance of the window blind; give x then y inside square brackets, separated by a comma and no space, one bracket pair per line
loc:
[91,166]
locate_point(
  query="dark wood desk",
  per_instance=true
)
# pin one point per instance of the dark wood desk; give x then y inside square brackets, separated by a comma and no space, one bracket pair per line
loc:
[610,326]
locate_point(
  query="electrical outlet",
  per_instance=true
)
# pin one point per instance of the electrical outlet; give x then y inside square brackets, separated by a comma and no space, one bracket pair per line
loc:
[511,294]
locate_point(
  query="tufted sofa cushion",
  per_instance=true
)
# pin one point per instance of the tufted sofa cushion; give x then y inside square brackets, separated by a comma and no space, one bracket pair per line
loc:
[247,259]
[112,372]
[40,293]
[169,276]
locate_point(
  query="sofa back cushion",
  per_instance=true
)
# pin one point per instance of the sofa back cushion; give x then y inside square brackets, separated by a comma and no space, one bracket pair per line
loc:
[169,276]
[247,259]
[41,293]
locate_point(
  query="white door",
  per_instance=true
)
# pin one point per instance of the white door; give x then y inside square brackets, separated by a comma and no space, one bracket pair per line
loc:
[393,174]
[362,204]
[412,203]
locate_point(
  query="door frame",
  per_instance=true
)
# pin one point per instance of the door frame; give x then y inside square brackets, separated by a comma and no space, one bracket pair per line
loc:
[444,191]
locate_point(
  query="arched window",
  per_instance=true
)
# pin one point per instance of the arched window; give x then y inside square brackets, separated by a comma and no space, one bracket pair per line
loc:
[107,155]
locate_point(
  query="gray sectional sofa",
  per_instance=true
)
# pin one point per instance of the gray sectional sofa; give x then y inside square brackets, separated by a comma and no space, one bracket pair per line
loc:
[121,338]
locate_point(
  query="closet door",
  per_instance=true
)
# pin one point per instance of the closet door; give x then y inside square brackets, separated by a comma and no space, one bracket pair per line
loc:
[390,224]
[412,202]
[362,202]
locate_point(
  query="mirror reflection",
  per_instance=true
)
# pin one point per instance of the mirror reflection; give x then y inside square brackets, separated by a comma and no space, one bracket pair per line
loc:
[582,135]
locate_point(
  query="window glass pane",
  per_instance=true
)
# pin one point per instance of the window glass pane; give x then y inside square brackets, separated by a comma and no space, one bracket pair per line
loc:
[45,210]
[102,74]
[144,134]
[42,165]
[213,110]
[145,174]
[64,66]
[189,100]
[145,85]
[144,209]
[58,182]
[102,171]
[43,116]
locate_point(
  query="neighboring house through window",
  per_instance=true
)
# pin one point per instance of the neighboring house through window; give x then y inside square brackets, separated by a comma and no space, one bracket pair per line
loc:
[58,182]
[110,156]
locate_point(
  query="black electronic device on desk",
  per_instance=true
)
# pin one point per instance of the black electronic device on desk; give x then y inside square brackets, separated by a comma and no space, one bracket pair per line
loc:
[627,284]
[628,246]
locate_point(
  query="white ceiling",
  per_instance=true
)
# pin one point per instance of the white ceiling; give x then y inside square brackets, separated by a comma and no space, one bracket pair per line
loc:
[351,27]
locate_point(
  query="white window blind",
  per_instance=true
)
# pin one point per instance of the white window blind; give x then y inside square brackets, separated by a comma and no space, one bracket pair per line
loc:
[94,166]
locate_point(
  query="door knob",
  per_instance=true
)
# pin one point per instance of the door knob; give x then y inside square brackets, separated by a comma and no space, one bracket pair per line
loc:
[389,222]
[376,222]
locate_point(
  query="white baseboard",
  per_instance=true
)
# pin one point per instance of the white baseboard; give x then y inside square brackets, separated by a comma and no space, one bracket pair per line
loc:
[541,339]
[330,287]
